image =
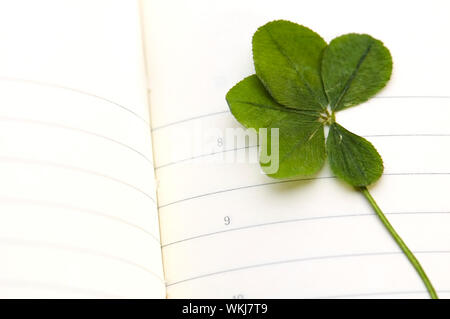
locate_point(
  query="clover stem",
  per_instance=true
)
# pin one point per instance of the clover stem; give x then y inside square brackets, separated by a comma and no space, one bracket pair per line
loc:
[413,260]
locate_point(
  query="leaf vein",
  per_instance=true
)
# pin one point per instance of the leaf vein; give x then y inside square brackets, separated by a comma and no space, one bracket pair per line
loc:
[352,76]
[297,71]
[281,109]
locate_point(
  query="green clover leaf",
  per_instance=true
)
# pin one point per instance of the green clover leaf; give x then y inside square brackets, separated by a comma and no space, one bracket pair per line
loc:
[299,85]
[352,158]
[301,136]
[287,60]
[354,68]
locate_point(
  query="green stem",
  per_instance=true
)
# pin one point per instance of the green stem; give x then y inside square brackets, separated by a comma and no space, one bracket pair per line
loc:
[413,260]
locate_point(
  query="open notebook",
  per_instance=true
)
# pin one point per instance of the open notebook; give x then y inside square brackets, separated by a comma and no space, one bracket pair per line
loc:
[110,186]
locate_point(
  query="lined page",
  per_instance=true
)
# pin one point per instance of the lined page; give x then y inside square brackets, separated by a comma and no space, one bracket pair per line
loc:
[78,214]
[229,231]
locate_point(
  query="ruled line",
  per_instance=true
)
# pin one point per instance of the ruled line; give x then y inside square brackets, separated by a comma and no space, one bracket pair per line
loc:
[243,187]
[297,260]
[287,221]
[56,125]
[252,146]
[57,86]
[33,202]
[379,294]
[77,250]
[287,181]
[413,97]
[203,155]
[76,169]
[409,135]
[189,119]
[228,111]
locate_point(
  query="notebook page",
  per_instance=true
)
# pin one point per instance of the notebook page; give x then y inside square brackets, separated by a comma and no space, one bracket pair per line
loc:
[77,199]
[229,231]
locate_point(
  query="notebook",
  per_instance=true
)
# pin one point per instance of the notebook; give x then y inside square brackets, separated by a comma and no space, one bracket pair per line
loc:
[117,180]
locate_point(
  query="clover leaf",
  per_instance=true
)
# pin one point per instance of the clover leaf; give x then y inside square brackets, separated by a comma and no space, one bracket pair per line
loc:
[354,68]
[287,60]
[301,137]
[353,158]
[299,85]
